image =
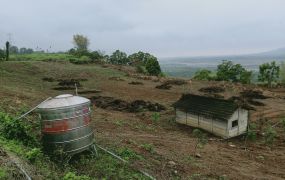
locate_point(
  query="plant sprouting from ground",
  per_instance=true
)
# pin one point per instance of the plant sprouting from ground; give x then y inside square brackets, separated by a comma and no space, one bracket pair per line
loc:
[269,135]
[155,117]
[34,154]
[148,147]
[201,138]
[251,132]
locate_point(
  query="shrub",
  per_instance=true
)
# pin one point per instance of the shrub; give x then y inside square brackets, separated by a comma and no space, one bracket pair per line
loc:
[155,117]
[251,132]
[82,60]
[269,135]
[73,176]
[201,138]
[148,147]
[11,128]
[34,154]
[140,69]
[128,154]
[152,66]
[203,74]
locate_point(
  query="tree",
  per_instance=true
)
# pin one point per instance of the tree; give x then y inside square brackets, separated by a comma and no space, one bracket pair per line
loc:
[81,42]
[269,72]
[7,50]
[24,50]
[152,66]
[118,57]
[2,54]
[14,50]
[203,74]
[139,58]
[227,71]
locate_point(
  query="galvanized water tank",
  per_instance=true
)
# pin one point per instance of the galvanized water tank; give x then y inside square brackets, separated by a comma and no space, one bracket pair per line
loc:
[65,121]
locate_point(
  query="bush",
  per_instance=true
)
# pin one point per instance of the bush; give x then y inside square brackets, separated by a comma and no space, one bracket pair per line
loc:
[82,60]
[269,135]
[203,74]
[34,154]
[152,66]
[128,154]
[251,132]
[73,176]
[11,128]
[140,69]
[155,117]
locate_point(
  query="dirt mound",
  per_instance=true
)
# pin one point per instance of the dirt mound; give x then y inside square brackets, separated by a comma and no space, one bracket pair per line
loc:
[116,79]
[135,83]
[212,89]
[121,105]
[242,102]
[89,91]
[252,94]
[163,86]
[177,82]
[69,82]
[60,88]
[48,79]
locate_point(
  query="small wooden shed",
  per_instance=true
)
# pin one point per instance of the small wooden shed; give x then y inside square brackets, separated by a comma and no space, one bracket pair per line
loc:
[221,117]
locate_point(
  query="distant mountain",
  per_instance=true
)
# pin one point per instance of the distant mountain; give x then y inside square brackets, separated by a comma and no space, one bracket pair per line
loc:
[273,53]
[187,66]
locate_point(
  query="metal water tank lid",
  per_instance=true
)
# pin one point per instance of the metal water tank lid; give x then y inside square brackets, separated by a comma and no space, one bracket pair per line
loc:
[64,100]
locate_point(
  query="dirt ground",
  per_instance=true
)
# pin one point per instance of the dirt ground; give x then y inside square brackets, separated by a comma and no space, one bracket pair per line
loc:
[173,154]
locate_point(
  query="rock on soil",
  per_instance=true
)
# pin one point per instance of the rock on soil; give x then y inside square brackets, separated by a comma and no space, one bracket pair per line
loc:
[121,105]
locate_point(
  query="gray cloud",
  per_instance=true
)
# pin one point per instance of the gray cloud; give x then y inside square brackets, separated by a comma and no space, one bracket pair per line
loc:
[162,27]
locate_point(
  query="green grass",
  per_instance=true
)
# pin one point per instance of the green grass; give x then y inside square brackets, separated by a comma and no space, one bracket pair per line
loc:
[103,166]
[40,57]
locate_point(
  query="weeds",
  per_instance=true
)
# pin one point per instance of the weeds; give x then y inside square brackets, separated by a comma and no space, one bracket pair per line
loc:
[155,117]
[73,176]
[34,154]
[269,135]
[128,154]
[3,174]
[12,128]
[251,132]
[201,138]
[148,147]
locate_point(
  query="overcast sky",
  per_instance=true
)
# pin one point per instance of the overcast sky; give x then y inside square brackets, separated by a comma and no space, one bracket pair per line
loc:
[162,27]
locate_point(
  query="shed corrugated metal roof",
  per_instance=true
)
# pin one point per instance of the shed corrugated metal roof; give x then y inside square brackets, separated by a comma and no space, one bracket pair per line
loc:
[206,106]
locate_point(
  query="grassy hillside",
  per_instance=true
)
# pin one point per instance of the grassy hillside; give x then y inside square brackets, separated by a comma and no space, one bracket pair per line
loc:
[151,141]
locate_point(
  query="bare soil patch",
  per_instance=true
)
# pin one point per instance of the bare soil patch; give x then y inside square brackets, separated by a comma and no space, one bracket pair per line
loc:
[135,83]
[116,79]
[212,89]
[121,105]
[163,86]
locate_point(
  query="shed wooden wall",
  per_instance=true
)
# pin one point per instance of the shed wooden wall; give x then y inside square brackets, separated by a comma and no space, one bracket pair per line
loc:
[242,116]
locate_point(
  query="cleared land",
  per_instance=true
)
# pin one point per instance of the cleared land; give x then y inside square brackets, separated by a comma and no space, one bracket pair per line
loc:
[162,148]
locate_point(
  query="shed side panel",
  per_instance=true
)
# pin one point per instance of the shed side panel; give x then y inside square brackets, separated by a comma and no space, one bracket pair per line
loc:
[180,117]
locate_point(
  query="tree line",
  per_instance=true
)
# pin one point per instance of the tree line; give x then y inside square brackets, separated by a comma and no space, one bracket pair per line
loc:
[269,73]
[144,62]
